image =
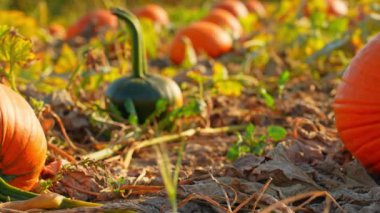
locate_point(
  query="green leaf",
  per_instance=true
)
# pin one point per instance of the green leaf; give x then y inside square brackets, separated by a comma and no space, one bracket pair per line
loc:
[14,48]
[268,99]
[283,78]
[259,147]
[276,133]
[161,106]
[130,108]
[233,152]
[250,132]
[318,19]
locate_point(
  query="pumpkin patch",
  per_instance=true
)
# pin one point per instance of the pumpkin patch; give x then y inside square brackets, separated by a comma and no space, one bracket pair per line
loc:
[189,106]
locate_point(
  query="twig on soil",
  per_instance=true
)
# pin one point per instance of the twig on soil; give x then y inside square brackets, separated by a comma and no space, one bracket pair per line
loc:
[202,197]
[192,179]
[255,195]
[222,185]
[109,151]
[60,152]
[261,193]
[175,137]
[63,130]
[313,194]
[142,174]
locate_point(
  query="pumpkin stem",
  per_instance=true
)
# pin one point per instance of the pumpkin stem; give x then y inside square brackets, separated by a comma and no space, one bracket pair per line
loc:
[139,65]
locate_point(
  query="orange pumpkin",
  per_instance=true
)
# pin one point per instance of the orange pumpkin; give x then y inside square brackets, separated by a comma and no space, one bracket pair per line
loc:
[225,19]
[357,104]
[337,7]
[92,23]
[334,8]
[57,31]
[255,6]
[153,12]
[22,141]
[205,37]
[235,7]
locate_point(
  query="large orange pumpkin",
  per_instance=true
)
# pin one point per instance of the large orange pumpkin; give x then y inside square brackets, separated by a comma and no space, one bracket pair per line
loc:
[235,7]
[357,106]
[225,20]
[205,37]
[92,23]
[153,12]
[22,141]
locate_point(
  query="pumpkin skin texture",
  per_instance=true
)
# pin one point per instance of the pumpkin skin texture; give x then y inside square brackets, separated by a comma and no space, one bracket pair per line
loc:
[205,37]
[92,23]
[23,145]
[225,20]
[153,12]
[142,88]
[357,106]
[235,7]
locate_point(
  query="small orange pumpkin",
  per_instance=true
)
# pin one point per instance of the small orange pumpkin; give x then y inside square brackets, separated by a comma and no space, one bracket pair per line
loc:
[57,31]
[334,8]
[357,106]
[153,12]
[225,19]
[23,145]
[235,7]
[205,37]
[337,7]
[92,23]
[255,6]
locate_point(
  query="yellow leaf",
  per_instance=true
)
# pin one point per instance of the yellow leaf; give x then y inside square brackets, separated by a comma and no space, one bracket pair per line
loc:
[67,62]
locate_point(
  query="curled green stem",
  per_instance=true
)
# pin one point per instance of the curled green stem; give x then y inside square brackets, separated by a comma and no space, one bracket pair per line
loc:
[139,65]
[11,193]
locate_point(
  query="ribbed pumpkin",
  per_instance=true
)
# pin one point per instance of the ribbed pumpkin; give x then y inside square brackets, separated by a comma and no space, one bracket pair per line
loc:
[235,7]
[22,141]
[357,106]
[205,37]
[142,88]
[92,23]
[225,20]
[153,12]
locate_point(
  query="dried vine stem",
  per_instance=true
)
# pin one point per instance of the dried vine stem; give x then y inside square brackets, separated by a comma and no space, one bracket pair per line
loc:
[109,151]
[313,194]
[176,137]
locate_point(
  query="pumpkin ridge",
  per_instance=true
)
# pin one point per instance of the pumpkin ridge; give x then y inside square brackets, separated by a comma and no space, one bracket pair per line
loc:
[40,150]
[8,121]
[360,125]
[370,160]
[358,139]
[25,135]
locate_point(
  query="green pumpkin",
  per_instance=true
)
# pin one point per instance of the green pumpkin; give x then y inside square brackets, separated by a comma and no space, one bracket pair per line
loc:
[143,89]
